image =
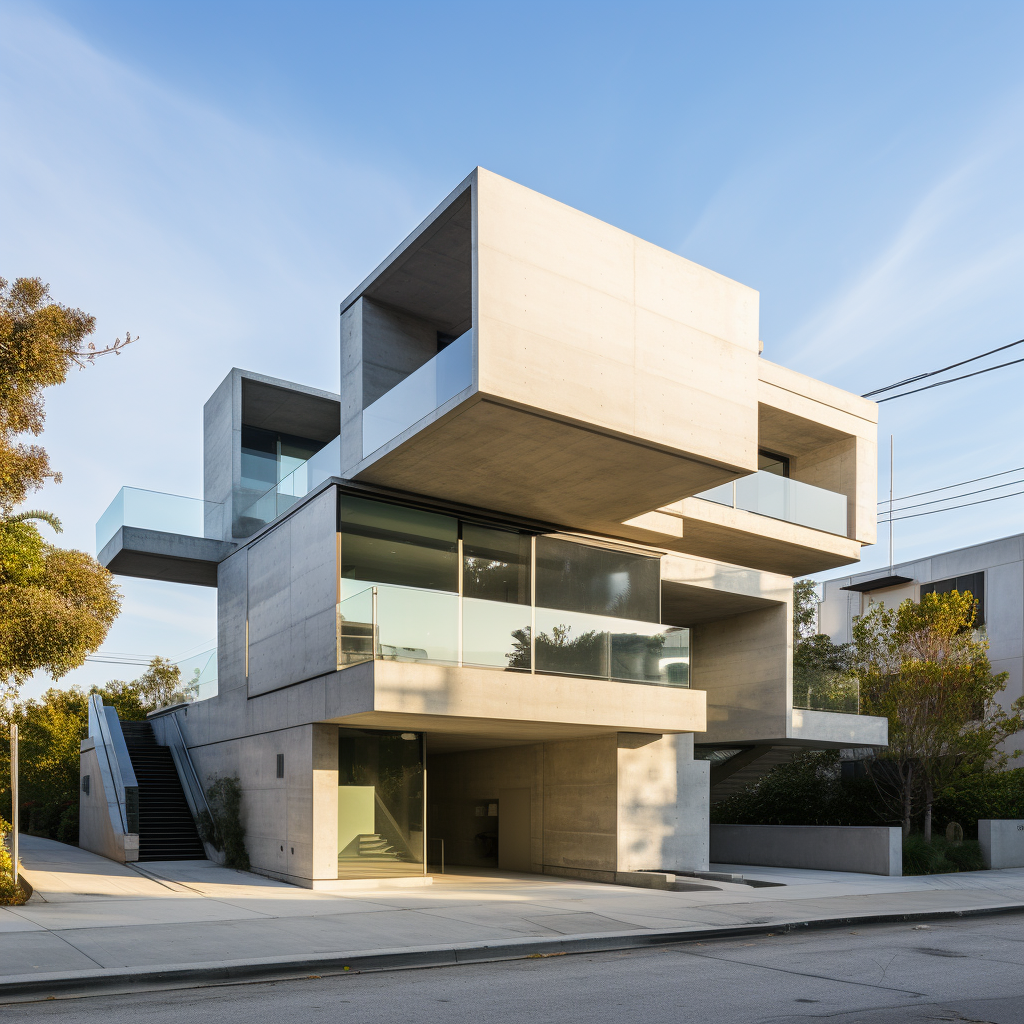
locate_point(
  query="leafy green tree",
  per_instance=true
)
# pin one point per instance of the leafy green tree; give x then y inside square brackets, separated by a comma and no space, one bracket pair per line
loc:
[805,610]
[823,676]
[56,606]
[926,669]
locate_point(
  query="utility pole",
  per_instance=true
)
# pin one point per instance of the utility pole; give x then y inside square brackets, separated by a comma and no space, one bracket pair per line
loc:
[14,798]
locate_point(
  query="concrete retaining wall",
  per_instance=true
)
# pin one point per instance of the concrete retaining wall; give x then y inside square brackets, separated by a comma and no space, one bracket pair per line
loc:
[873,850]
[1002,842]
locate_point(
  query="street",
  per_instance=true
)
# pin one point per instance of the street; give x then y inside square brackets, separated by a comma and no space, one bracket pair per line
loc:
[970,969]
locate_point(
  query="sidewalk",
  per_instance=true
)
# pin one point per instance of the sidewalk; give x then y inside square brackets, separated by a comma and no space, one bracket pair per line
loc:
[92,921]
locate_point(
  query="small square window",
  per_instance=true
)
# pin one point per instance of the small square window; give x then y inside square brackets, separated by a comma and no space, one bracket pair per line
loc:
[280,766]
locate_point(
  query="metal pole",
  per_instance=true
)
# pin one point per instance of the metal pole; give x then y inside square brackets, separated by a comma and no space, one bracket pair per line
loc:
[891,477]
[14,798]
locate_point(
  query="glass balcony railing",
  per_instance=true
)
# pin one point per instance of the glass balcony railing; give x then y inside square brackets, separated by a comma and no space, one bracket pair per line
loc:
[827,691]
[199,674]
[780,497]
[423,391]
[166,513]
[405,624]
[297,484]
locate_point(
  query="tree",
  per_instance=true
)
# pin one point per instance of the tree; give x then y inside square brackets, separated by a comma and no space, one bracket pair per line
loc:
[56,606]
[925,668]
[822,672]
[805,610]
[160,685]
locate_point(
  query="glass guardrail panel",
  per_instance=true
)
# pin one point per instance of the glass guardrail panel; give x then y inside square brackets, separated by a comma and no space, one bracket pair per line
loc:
[165,513]
[495,634]
[827,692]
[199,674]
[424,390]
[575,643]
[818,508]
[793,501]
[721,495]
[417,625]
[323,465]
[355,628]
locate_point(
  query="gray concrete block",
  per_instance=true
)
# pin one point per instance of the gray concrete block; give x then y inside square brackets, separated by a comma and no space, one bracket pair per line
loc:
[1002,842]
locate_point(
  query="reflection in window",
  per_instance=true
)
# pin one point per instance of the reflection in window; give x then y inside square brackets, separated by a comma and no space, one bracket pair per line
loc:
[495,564]
[405,547]
[580,578]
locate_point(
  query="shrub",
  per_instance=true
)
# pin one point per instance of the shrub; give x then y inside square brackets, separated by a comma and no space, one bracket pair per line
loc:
[221,826]
[11,894]
[940,856]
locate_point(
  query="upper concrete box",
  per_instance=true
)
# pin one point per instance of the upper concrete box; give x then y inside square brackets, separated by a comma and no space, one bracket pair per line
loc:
[519,355]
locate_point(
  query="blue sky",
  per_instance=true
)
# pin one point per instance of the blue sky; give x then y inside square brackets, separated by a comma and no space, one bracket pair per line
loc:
[215,177]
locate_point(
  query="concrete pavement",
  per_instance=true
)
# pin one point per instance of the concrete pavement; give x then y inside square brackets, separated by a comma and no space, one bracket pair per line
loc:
[94,922]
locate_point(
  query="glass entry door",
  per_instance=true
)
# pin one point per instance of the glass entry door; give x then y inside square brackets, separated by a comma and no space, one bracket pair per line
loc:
[380,803]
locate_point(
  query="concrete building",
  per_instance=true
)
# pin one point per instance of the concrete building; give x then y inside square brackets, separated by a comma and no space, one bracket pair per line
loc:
[993,572]
[520,593]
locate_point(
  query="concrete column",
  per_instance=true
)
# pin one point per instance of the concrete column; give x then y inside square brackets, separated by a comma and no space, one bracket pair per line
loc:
[663,801]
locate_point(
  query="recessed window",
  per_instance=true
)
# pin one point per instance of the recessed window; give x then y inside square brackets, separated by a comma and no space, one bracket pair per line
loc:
[280,766]
[772,462]
[973,583]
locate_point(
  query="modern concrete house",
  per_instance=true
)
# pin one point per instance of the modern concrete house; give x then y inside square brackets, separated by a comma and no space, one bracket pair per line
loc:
[519,594]
[992,572]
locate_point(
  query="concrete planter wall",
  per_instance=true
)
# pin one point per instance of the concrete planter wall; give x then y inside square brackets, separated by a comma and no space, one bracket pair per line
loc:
[873,850]
[1002,842]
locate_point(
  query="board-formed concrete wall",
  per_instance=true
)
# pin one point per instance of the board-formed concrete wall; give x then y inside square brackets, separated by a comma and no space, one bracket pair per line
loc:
[99,828]
[1002,842]
[870,849]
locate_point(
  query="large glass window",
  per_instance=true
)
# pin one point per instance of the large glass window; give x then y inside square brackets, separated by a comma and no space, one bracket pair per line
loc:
[599,581]
[269,456]
[404,547]
[973,583]
[495,564]
[380,803]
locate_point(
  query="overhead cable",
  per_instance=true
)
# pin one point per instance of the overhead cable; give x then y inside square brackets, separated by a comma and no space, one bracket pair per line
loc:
[952,508]
[938,384]
[957,497]
[949,487]
[952,366]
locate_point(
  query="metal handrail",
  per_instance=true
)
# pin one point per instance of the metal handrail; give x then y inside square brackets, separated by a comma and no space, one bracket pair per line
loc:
[187,760]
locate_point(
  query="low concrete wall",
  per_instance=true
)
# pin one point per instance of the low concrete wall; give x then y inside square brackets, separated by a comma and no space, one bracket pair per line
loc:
[99,829]
[1002,842]
[873,850]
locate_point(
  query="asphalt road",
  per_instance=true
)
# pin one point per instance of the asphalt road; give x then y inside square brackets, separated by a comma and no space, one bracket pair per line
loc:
[963,970]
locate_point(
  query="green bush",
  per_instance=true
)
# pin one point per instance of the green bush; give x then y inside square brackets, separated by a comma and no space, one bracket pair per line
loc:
[11,894]
[809,790]
[939,857]
[223,828]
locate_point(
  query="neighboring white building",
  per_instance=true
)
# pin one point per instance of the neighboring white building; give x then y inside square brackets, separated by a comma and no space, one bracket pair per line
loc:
[993,572]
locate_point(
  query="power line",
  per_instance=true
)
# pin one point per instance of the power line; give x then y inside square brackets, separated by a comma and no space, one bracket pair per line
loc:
[962,483]
[956,497]
[952,366]
[951,380]
[953,508]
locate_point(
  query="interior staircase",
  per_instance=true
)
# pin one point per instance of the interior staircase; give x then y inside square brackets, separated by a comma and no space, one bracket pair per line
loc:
[369,847]
[167,830]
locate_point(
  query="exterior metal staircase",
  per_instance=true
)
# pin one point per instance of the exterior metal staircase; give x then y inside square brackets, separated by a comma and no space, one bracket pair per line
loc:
[746,766]
[167,830]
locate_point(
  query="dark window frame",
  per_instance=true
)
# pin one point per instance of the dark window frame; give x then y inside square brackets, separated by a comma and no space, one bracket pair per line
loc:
[965,582]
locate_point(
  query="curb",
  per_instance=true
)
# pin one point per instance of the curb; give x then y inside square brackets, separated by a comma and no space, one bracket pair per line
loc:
[120,980]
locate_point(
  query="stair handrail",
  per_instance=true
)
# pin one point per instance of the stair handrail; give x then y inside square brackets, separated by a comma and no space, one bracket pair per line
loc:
[105,731]
[193,785]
